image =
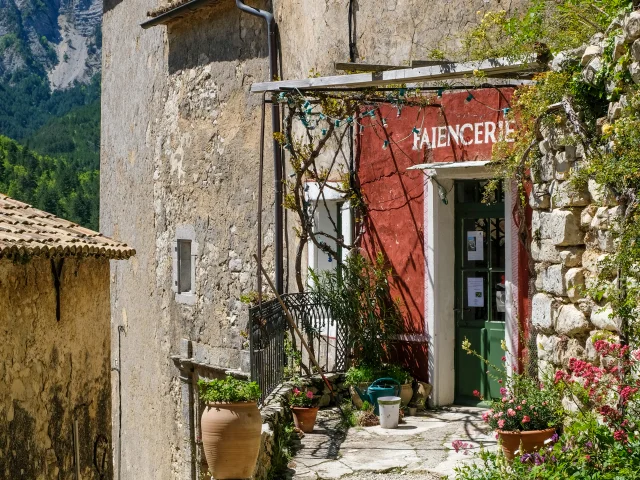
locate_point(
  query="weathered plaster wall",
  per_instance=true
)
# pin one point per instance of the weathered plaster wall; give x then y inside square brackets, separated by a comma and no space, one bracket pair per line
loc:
[53,373]
[180,137]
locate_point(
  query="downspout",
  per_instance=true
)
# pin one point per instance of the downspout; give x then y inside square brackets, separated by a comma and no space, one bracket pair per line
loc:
[277,151]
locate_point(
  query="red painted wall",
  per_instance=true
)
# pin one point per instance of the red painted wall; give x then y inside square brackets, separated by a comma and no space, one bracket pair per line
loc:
[459,126]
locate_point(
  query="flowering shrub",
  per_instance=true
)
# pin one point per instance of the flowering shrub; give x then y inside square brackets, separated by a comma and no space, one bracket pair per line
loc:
[610,390]
[525,405]
[303,399]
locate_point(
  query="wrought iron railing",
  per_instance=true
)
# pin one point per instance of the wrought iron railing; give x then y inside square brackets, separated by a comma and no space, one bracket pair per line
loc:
[274,348]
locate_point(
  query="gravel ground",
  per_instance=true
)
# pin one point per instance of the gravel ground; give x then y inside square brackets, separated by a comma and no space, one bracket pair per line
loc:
[391,476]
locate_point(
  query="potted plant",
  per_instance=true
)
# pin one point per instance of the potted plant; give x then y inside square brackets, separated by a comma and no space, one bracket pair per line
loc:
[526,415]
[361,376]
[231,427]
[304,408]
[404,379]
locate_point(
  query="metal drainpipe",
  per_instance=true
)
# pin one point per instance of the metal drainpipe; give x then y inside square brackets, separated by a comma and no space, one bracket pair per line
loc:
[277,152]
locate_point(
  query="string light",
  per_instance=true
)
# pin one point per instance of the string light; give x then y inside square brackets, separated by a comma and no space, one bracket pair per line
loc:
[324,132]
[385,144]
[505,111]
[416,131]
[469,97]
[337,123]
[384,123]
[440,92]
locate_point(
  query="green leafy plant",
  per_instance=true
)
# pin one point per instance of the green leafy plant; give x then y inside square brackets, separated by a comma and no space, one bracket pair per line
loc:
[359,296]
[302,398]
[228,390]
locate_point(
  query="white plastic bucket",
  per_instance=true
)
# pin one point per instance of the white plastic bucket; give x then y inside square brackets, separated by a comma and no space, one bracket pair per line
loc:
[389,411]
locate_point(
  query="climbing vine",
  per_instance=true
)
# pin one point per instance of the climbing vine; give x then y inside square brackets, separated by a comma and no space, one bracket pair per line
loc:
[574,99]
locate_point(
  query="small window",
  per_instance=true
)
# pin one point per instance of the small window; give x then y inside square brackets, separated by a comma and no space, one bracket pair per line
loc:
[184,253]
[184,266]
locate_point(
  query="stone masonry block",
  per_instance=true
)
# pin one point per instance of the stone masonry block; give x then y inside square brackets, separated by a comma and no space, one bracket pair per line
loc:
[635,50]
[545,251]
[600,194]
[586,216]
[563,194]
[603,319]
[634,70]
[562,227]
[632,27]
[539,196]
[574,282]
[592,259]
[543,312]
[547,346]
[551,280]
[590,52]
[571,321]
[571,257]
[590,72]
[563,166]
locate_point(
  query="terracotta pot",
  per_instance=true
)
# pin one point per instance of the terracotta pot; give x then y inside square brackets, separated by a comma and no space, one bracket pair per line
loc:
[231,434]
[532,441]
[406,394]
[305,418]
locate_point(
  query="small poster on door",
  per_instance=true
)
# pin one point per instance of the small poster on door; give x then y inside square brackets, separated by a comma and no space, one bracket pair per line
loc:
[475,291]
[475,246]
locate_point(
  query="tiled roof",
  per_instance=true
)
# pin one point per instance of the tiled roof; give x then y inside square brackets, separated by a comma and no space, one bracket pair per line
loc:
[25,230]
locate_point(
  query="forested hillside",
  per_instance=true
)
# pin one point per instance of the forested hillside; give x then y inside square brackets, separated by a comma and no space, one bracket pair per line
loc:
[55,185]
[50,104]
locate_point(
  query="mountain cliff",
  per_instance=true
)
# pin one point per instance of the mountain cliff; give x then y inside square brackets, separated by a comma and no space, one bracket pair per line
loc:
[57,38]
[50,102]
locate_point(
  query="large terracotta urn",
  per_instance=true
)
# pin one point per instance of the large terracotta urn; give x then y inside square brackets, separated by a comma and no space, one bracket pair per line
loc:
[527,442]
[231,435]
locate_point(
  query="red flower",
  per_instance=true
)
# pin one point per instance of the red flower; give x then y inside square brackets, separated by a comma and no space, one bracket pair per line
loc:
[526,419]
[476,393]
[309,394]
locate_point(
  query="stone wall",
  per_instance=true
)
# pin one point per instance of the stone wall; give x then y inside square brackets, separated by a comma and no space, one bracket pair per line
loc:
[55,372]
[574,229]
[180,141]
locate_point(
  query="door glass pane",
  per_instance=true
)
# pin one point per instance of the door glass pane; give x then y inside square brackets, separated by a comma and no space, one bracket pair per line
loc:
[474,290]
[498,304]
[496,229]
[476,243]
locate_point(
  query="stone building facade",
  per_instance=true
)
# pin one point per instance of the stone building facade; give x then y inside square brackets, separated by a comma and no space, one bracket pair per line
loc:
[55,400]
[179,168]
[574,229]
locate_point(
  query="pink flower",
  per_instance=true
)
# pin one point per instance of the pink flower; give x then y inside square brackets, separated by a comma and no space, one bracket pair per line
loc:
[500,423]
[309,394]
[519,407]
[476,393]
[296,391]
[486,416]
[504,359]
[526,419]
[504,399]
[503,391]
[524,402]
[511,412]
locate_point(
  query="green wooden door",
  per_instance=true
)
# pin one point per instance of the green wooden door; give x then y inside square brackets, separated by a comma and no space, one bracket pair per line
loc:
[480,289]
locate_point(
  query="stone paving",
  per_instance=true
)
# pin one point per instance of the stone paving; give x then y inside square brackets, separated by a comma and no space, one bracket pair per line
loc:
[419,449]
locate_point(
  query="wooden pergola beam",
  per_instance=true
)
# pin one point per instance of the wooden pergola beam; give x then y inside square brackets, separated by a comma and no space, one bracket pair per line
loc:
[449,71]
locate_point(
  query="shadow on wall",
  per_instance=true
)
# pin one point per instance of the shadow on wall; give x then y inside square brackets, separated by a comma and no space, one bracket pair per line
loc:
[219,33]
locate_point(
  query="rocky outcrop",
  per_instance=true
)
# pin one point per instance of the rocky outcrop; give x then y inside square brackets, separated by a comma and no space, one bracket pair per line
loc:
[59,38]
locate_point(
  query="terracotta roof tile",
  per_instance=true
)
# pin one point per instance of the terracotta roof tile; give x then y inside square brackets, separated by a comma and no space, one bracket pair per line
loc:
[25,230]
